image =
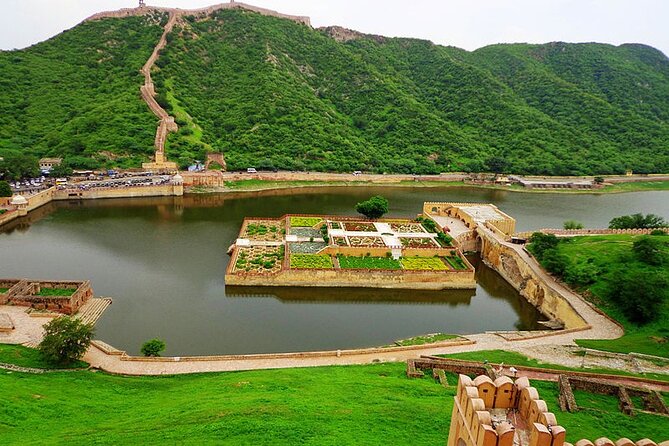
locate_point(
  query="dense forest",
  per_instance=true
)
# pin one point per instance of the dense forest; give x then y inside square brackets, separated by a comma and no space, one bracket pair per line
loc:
[273,94]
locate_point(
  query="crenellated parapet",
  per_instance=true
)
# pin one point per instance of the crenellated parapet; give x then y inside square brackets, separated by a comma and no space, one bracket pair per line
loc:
[493,413]
[503,413]
[147,10]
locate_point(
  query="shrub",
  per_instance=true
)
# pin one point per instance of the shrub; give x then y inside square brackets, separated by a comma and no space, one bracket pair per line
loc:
[540,243]
[638,221]
[373,208]
[649,250]
[65,340]
[153,347]
[639,294]
[572,224]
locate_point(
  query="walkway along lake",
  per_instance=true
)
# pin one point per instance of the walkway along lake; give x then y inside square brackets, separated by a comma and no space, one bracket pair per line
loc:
[163,261]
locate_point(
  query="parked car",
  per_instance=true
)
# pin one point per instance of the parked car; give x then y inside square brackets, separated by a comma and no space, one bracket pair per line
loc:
[251,170]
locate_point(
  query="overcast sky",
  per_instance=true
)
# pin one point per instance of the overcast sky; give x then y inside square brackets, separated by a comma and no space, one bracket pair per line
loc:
[467,24]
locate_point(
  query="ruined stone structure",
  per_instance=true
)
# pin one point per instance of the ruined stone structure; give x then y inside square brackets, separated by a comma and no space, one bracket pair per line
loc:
[504,413]
[26,293]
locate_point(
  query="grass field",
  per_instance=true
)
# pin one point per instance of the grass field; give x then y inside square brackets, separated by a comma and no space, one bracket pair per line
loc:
[29,357]
[603,254]
[361,405]
[56,292]
[501,356]
[311,261]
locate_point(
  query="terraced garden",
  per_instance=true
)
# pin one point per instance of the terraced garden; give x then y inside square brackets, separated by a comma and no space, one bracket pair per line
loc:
[259,259]
[423,263]
[311,261]
[407,228]
[368,262]
[264,230]
[417,242]
[304,222]
[455,262]
[371,242]
[359,227]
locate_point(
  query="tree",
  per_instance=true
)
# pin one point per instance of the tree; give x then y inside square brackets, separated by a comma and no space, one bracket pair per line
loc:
[599,180]
[572,224]
[5,189]
[18,166]
[62,170]
[540,243]
[153,347]
[373,208]
[65,340]
[639,294]
[638,221]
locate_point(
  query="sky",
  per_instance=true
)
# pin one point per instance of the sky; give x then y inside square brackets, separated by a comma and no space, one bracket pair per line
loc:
[467,24]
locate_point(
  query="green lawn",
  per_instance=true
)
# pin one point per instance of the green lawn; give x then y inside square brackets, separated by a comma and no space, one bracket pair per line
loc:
[425,339]
[3,290]
[352,262]
[28,357]
[602,255]
[423,263]
[502,356]
[56,292]
[362,405]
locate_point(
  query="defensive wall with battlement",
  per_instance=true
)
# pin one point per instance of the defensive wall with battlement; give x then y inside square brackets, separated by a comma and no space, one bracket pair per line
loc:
[507,413]
[129,12]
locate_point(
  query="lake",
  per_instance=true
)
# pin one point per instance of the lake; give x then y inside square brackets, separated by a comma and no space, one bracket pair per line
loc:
[163,262]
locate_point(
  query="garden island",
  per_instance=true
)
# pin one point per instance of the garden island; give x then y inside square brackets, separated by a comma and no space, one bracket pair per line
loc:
[330,251]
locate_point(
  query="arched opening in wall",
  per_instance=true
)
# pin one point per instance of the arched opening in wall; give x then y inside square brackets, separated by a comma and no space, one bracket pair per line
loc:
[435,210]
[461,442]
[479,244]
[214,166]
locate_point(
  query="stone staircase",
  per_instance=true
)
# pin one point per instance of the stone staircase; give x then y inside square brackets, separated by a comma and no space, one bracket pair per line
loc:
[91,311]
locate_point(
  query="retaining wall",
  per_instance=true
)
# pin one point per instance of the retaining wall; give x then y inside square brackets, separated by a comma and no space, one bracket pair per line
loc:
[516,270]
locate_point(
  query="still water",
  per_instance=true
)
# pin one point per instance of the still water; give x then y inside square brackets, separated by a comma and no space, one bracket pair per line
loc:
[163,262]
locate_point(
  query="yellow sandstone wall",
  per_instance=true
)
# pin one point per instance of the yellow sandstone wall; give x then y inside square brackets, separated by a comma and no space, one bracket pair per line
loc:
[523,278]
[426,280]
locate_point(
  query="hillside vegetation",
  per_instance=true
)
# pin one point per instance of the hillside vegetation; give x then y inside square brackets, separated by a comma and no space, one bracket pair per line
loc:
[626,276]
[271,93]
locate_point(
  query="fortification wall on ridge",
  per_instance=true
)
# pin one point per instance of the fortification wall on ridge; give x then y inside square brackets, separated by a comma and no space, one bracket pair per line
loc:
[129,12]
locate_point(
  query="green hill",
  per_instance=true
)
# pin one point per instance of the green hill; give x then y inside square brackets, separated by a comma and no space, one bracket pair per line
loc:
[271,93]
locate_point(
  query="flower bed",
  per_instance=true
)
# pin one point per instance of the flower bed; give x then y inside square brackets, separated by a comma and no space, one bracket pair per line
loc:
[351,262]
[423,263]
[417,242]
[259,259]
[336,225]
[359,226]
[339,241]
[411,228]
[311,261]
[304,222]
[264,230]
[366,241]
[306,247]
[456,262]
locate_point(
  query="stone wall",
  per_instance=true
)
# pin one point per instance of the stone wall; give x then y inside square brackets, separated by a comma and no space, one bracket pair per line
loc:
[24,293]
[163,190]
[516,270]
[426,280]
[577,232]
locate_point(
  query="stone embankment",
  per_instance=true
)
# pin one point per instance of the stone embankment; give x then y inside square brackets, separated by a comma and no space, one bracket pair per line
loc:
[578,232]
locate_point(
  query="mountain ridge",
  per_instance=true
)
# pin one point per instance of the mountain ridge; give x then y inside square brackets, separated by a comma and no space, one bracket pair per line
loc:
[278,94]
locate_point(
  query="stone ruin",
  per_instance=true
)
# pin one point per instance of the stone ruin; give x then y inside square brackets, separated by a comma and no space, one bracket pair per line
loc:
[24,292]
